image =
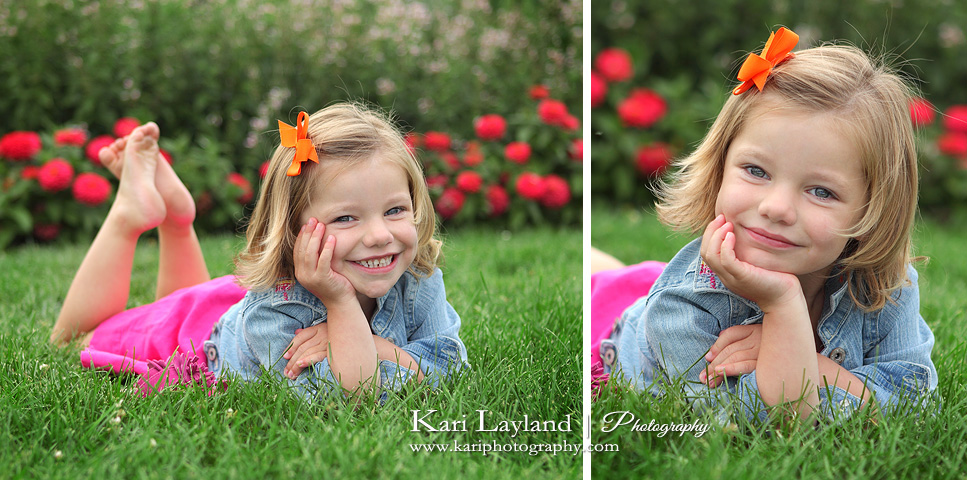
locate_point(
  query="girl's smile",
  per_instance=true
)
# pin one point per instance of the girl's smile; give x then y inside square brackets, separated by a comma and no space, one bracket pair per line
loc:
[793,184]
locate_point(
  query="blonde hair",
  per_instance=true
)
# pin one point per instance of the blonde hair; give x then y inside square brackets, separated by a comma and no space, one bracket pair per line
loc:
[872,103]
[348,133]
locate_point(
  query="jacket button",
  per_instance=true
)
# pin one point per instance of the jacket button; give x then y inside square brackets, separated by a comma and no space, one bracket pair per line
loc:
[838,355]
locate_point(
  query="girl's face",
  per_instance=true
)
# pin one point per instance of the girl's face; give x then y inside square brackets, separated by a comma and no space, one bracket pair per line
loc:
[793,181]
[368,208]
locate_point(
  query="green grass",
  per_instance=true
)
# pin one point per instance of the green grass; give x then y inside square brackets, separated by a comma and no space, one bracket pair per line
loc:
[904,447]
[519,296]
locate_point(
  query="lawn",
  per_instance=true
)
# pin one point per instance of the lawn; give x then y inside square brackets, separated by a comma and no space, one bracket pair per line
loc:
[520,302]
[905,447]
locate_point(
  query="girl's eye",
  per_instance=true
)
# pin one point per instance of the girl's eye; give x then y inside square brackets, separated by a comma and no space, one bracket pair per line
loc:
[395,211]
[756,171]
[823,193]
[344,218]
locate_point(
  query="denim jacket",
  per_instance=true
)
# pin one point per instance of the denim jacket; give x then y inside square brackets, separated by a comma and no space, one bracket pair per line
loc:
[665,336]
[414,315]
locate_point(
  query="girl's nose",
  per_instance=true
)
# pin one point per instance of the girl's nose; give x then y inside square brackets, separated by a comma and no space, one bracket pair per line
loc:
[779,206]
[378,234]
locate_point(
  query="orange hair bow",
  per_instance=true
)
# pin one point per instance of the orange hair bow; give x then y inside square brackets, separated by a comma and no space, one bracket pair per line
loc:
[298,137]
[757,68]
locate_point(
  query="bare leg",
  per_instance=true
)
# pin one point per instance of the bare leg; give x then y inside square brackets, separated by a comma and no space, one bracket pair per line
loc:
[599,261]
[181,262]
[102,283]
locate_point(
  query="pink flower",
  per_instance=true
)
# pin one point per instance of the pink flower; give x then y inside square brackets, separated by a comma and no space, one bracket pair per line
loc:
[517,152]
[922,113]
[450,203]
[539,92]
[469,181]
[652,160]
[97,143]
[70,136]
[46,232]
[490,127]
[576,152]
[955,119]
[552,112]
[91,189]
[599,89]
[124,126]
[55,175]
[241,182]
[557,193]
[614,64]
[19,145]
[473,156]
[436,141]
[530,186]
[497,200]
[953,144]
[642,108]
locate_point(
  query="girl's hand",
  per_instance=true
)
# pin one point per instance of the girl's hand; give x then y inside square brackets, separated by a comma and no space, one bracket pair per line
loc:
[313,268]
[764,287]
[734,353]
[310,346]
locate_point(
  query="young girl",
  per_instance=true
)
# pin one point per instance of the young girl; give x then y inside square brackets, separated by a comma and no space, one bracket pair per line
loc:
[339,272]
[800,290]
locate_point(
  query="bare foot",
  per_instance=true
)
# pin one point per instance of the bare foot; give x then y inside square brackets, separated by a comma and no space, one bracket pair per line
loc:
[138,201]
[179,204]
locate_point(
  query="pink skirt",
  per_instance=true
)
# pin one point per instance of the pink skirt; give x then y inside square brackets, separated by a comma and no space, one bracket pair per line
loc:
[180,322]
[612,291]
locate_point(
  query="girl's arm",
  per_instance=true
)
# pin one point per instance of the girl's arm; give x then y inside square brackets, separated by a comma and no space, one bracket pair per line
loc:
[353,357]
[788,371]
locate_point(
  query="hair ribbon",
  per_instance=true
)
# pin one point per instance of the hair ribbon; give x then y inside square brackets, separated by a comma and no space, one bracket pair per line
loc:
[298,137]
[757,68]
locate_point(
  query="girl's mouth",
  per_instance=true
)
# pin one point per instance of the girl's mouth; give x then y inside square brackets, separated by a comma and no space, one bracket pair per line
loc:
[376,262]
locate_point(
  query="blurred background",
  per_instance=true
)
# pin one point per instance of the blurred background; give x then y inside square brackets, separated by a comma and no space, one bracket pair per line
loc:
[217,74]
[662,70]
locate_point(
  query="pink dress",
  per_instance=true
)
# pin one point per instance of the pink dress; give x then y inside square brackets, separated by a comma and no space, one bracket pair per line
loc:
[179,322]
[612,291]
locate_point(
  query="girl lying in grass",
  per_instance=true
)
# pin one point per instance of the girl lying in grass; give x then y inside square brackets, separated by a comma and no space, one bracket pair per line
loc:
[800,292]
[338,284]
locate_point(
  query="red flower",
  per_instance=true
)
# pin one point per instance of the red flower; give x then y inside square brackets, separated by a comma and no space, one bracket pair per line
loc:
[413,141]
[614,64]
[70,136]
[530,186]
[241,182]
[165,154]
[450,203]
[436,181]
[55,175]
[642,108]
[124,126]
[469,181]
[91,189]
[436,141]
[922,112]
[19,145]
[517,152]
[953,144]
[552,112]
[46,232]
[30,172]
[497,200]
[490,127]
[570,123]
[577,150]
[95,146]
[263,169]
[451,160]
[955,119]
[473,156]
[557,193]
[652,160]
[599,89]
[539,92]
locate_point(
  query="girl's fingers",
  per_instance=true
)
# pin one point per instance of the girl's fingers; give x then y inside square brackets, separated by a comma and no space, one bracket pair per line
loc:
[735,369]
[325,258]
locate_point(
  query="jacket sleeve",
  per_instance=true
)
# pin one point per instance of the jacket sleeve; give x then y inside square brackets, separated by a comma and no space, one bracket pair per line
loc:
[435,343]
